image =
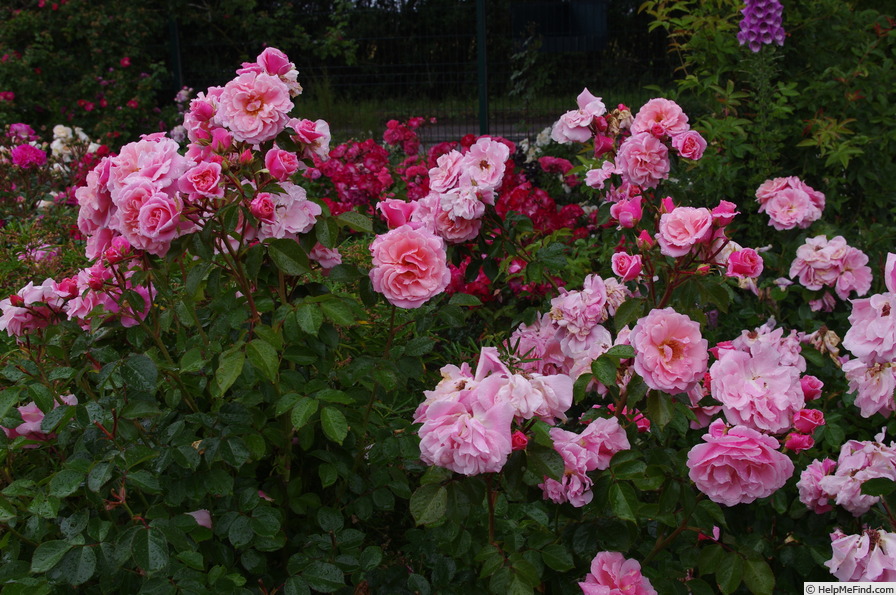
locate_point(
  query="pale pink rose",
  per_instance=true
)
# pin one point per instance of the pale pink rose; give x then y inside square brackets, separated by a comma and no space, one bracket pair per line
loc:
[798,442]
[203,179]
[811,387]
[790,202]
[202,517]
[159,223]
[593,448]
[538,346]
[446,174]
[454,382]
[409,266]
[327,258]
[811,494]
[535,395]
[858,462]
[890,273]
[625,266]
[467,436]
[613,574]
[281,164]
[689,145]
[737,465]
[724,214]
[573,487]
[821,263]
[32,418]
[682,229]
[873,385]
[154,158]
[485,161]
[274,62]
[454,230]
[314,135]
[575,126]
[767,336]
[643,159]
[94,201]
[854,275]
[294,213]
[807,420]
[660,117]
[396,212]
[756,390]
[872,336]
[198,120]
[670,353]
[744,263]
[99,242]
[578,312]
[596,178]
[867,557]
[462,203]
[627,212]
[254,107]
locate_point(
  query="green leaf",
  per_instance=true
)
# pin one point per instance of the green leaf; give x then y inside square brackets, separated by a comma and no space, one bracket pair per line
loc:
[150,549]
[240,532]
[326,232]
[263,358]
[628,311]
[334,424]
[302,412]
[710,558]
[309,317]
[429,504]
[464,299]
[324,577]
[356,221]
[66,482]
[604,369]
[419,346]
[78,565]
[192,361]
[730,572]
[621,351]
[623,501]
[338,312]
[878,486]
[659,409]
[758,577]
[230,366]
[8,398]
[545,461]
[557,557]
[48,554]
[371,557]
[288,256]
[140,373]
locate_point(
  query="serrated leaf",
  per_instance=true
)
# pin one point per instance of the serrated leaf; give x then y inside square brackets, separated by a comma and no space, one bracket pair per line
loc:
[356,221]
[324,577]
[621,351]
[78,565]
[604,369]
[263,358]
[338,312]
[309,318]
[464,299]
[48,554]
[557,557]
[230,366]
[628,311]
[429,504]
[730,572]
[66,482]
[288,256]
[758,577]
[150,549]
[140,373]
[334,424]
[302,412]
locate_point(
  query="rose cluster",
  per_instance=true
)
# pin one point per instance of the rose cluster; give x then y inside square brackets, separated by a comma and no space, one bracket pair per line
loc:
[822,263]
[790,203]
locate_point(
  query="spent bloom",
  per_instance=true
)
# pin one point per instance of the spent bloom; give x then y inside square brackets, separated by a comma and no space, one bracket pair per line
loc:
[867,557]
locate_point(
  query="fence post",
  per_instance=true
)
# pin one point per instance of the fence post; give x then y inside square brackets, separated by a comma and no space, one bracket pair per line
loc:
[482,66]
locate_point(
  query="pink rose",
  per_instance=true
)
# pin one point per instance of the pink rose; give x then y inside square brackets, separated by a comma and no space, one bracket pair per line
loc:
[627,212]
[858,462]
[575,125]
[596,178]
[744,263]
[670,353]
[890,273]
[790,202]
[518,440]
[573,487]
[396,212]
[682,228]
[689,145]
[281,164]
[612,573]
[294,213]
[485,162]
[643,159]
[203,179]
[327,258]
[28,157]
[724,214]
[314,135]
[660,117]
[626,266]
[811,494]
[409,266]
[737,466]
[262,208]
[254,107]
[867,557]
[806,420]
[446,174]
[873,385]
[798,442]
[811,387]
[872,336]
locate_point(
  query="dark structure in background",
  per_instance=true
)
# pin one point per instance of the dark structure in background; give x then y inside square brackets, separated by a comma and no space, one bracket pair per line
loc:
[421,58]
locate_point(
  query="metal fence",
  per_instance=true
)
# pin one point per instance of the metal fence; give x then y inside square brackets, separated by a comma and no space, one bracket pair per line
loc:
[429,61]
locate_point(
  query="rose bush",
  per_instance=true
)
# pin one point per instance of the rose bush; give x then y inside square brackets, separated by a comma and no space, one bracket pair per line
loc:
[289,368]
